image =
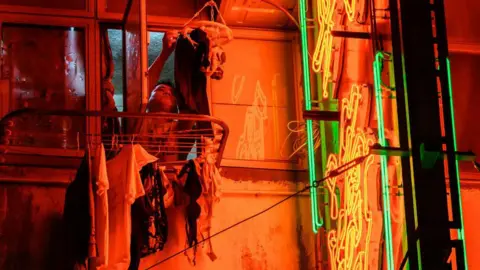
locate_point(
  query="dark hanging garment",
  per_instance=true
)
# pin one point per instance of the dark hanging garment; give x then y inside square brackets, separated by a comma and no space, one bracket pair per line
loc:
[193,188]
[77,218]
[149,219]
[191,83]
[141,211]
[161,221]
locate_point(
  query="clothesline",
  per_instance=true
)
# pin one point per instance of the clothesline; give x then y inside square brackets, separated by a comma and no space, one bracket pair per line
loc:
[340,170]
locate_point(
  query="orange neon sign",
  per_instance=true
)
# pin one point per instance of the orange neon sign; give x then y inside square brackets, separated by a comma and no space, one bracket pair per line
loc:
[322,60]
[350,9]
[348,243]
[322,56]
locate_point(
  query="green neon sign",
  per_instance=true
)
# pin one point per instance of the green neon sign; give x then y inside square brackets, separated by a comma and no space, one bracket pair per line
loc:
[461,231]
[383,161]
[317,221]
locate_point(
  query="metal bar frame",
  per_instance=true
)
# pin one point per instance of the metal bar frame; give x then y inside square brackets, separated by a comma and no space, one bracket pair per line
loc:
[426,194]
[444,74]
[5,121]
[404,138]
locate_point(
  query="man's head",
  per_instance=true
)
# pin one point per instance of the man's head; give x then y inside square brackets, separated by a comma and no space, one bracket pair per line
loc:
[162,98]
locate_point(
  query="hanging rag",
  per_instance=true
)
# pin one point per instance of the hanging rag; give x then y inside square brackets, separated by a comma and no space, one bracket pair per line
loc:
[202,180]
[210,180]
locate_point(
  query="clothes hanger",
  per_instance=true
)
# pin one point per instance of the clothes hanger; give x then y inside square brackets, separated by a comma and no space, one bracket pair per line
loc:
[212,28]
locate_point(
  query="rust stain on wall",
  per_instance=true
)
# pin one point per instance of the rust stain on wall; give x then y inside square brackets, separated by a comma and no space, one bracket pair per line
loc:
[255,175]
[256,260]
[303,253]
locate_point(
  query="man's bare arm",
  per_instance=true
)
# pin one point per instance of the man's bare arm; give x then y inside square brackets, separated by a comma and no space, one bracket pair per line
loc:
[154,71]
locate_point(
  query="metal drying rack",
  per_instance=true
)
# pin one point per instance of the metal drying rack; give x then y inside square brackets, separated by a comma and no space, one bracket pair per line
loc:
[167,136]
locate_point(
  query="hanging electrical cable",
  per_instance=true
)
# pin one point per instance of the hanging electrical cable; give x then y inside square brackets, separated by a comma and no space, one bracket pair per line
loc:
[284,11]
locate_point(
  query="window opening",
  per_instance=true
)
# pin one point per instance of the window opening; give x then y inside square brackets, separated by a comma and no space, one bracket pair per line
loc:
[155,45]
[43,67]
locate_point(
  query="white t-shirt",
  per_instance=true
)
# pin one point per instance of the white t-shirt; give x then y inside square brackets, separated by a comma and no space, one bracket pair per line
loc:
[125,187]
[101,207]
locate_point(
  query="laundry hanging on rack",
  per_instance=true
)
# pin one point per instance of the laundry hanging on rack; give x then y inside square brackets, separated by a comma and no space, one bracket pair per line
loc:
[77,218]
[202,181]
[190,81]
[117,185]
[190,175]
[101,187]
[211,181]
[149,219]
[198,56]
[125,187]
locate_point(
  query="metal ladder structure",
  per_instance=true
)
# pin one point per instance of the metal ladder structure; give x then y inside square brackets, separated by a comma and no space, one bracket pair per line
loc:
[422,74]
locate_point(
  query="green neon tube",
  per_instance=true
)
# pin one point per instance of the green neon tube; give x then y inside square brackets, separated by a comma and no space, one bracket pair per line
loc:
[383,162]
[461,232]
[316,220]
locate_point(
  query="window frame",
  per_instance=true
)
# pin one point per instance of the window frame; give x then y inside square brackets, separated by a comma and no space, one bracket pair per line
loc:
[88,12]
[164,22]
[92,96]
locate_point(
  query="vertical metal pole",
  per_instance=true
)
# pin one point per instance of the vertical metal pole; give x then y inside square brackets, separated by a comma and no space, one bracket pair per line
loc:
[413,254]
[420,82]
[450,133]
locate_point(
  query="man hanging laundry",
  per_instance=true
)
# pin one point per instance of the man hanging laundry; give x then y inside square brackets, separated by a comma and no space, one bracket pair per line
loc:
[195,59]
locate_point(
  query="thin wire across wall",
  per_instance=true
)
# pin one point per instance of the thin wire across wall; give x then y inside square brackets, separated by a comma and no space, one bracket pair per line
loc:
[340,170]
